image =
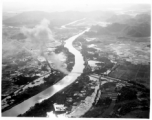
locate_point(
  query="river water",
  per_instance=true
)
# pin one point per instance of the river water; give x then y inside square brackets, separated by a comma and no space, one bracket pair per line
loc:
[67,80]
[64,26]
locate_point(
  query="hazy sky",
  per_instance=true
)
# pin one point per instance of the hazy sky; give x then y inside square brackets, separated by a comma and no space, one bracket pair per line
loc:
[62,5]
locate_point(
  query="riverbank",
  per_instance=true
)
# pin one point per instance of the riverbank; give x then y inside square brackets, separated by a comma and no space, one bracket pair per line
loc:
[120,95]
[46,81]
[46,94]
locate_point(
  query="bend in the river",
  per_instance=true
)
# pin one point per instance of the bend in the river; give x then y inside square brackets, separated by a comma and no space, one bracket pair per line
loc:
[67,80]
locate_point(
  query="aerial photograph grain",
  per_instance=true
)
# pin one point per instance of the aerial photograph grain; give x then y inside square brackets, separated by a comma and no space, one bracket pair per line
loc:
[76,59]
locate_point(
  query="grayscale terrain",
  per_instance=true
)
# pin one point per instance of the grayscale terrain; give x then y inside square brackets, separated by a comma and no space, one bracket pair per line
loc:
[92,64]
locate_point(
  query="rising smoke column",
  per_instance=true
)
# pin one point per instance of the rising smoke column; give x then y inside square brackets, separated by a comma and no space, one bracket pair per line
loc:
[39,37]
[57,60]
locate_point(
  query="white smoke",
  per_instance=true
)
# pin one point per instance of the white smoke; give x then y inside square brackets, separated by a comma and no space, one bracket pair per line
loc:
[39,37]
[58,60]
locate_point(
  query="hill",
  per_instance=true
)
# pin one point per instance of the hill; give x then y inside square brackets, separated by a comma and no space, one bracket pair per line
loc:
[138,30]
[56,18]
[119,18]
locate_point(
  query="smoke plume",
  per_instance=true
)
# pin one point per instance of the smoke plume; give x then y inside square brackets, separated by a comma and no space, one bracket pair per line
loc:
[38,38]
[58,61]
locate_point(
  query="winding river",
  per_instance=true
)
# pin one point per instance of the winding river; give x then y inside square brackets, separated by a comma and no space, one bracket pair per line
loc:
[67,80]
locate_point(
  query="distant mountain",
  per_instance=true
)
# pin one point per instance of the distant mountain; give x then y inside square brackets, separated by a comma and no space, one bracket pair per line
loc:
[110,29]
[7,15]
[128,19]
[26,17]
[114,28]
[119,18]
[138,26]
[137,30]
[56,18]
[143,18]
[140,30]
[106,15]
[142,21]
